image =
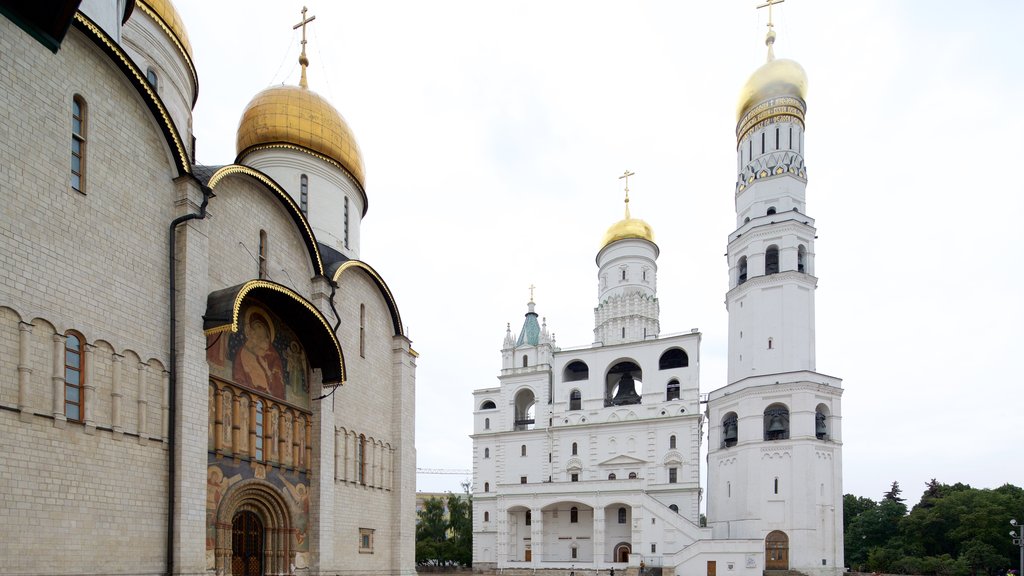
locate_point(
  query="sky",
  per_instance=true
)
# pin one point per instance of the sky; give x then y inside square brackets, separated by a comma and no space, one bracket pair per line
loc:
[493,134]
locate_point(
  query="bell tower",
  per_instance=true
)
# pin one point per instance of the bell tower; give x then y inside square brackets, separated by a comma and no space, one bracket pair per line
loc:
[775,446]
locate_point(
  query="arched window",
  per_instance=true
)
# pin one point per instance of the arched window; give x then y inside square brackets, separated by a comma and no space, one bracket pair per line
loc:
[801,258]
[673,358]
[574,515]
[525,361]
[574,449]
[730,429]
[776,484]
[622,515]
[151,78]
[575,400]
[304,193]
[771,260]
[78,126]
[262,255]
[674,508]
[672,390]
[742,270]
[487,516]
[487,423]
[258,448]
[672,441]
[74,383]
[361,460]
[487,486]
[362,330]
[771,210]
[575,370]
[525,408]
[529,517]
[632,475]
[487,405]
[611,476]
[487,452]
[821,422]
[776,422]
[522,450]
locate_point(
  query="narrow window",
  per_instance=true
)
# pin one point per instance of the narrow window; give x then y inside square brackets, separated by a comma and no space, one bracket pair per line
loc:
[762,142]
[574,515]
[611,476]
[623,273]
[259,431]
[730,429]
[743,270]
[346,221]
[771,260]
[750,149]
[262,256]
[574,449]
[361,460]
[672,392]
[74,399]
[574,478]
[487,516]
[575,400]
[672,475]
[304,194]
[151,77]
[672,442]
[770,343]
[522,450]
[654,548]
[790,137]
[487,423]
[366,540]
[529,517]
[487,486]
[362,330]
[644,275]
[525,361]
[776,138]
[573,552]
[728,489]
[801,256]
[522,479]
[78,143]
[622,515]
[623,331]
[776,484]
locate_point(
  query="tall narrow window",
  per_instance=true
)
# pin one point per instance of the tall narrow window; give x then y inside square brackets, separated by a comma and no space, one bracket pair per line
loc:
[259,431]
[622,515]
[487,516]
[762,142]
[361,460]
[742,270]
[750,149]
[776,484]
[304,194]
[362,330]
[673,474]
[623,273]
[575,400]
[78,143]
[575,447]
[790,137]
[262,257]
[73,382]
[771,260]
[522,450]
[776,138]
[346,221]
[151,77]
[672,391]
[623,331]
[487,452]
[574,515]
[529,518]
[487,486]
[526,361]
[672,442]
[801,257]
[487,423]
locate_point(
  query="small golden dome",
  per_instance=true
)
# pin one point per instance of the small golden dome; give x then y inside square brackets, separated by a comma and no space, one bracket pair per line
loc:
[776,78]
[628,228]
[295,116]
[165,12]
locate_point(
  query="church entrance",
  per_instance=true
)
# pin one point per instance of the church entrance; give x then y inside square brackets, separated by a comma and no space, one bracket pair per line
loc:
[776,551]
[622,553]
[246,545]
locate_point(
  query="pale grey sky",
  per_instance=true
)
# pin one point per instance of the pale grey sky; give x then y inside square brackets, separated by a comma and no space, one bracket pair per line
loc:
[493,134]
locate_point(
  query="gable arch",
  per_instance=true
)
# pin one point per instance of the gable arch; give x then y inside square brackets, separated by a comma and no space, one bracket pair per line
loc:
[293,210]
[340,268]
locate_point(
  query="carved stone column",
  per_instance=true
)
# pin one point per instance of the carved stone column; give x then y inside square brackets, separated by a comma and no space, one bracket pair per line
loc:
[24,368]
[89,398]
[141,417]
[57,379]
[115,395]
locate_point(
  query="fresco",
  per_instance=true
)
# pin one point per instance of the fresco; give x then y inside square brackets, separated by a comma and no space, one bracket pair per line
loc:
[294,486]
[264,355]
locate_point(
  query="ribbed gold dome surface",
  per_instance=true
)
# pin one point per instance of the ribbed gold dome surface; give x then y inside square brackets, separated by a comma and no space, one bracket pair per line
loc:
[628,228]
[164,9]
[291,115]
[776,78]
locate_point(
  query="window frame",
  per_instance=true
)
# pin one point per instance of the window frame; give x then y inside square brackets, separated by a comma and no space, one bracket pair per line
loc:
[78,371]
[79,120]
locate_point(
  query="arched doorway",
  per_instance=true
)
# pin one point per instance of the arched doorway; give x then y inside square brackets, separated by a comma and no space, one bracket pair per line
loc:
[622,552]
[776,551]
[246,545]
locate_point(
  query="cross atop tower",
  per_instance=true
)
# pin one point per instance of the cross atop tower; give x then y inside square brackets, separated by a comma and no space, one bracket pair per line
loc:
[625,176]
[770,37]
[532,287]
[303,61]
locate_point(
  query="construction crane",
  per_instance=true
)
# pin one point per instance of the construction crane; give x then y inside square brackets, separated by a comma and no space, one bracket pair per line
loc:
[443,471]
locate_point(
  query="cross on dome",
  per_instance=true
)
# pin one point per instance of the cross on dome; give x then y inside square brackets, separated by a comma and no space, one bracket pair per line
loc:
[770,37]
[303,61]
[625,176]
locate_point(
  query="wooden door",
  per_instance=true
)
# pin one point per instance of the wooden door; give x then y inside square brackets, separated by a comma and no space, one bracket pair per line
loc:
[776,551]
[712,567]
[246,545]
[529,555]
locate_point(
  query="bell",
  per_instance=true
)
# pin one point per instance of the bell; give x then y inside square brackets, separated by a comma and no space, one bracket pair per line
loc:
[730,431]
[776,424]
[627,391]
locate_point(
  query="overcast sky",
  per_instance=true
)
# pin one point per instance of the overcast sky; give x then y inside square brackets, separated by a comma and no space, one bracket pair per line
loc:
[493,133]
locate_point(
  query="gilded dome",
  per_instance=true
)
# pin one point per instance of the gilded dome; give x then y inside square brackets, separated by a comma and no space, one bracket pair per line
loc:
[628,228]
[776,78]
[172,23]
[296,116]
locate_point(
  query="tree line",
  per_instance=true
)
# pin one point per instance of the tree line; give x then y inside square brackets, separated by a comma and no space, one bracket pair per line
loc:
[445,537]
[955,530]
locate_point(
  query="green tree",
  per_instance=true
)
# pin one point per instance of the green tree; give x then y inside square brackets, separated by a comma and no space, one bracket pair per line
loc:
[431,533]
[460,527]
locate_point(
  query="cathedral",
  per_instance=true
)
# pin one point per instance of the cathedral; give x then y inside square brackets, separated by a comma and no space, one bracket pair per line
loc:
[589,458]
[198,373]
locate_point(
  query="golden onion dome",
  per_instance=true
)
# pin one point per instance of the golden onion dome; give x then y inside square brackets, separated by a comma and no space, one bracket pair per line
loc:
[777,78]
[293,116]
[164,13]
[628,228]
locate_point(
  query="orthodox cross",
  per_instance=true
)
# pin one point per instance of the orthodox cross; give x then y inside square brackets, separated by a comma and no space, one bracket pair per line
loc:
[531,292]
[625,176]
[303,61]
[769,5]
[770,38]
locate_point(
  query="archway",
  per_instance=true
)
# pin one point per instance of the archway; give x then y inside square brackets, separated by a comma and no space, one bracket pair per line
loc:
[622,552]
[255,533]
[246,545]
[776,551]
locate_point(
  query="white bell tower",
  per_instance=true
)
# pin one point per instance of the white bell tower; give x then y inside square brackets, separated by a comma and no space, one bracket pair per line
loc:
[775,446]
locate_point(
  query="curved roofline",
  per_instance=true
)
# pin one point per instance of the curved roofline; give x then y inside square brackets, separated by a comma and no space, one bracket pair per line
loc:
[396,318]
[289,146]
[289,204]
[137,78]
[177,42]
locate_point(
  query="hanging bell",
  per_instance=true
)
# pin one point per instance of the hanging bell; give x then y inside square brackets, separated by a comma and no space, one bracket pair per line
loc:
[776,425]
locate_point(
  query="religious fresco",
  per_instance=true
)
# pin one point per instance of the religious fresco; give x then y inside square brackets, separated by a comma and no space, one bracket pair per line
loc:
[294,486]
[265,355]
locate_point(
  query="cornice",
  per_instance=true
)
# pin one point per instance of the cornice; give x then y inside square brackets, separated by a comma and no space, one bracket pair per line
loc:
[785,277]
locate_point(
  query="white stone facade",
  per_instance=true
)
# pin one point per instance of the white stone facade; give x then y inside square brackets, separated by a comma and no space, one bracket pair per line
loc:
[84,296]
